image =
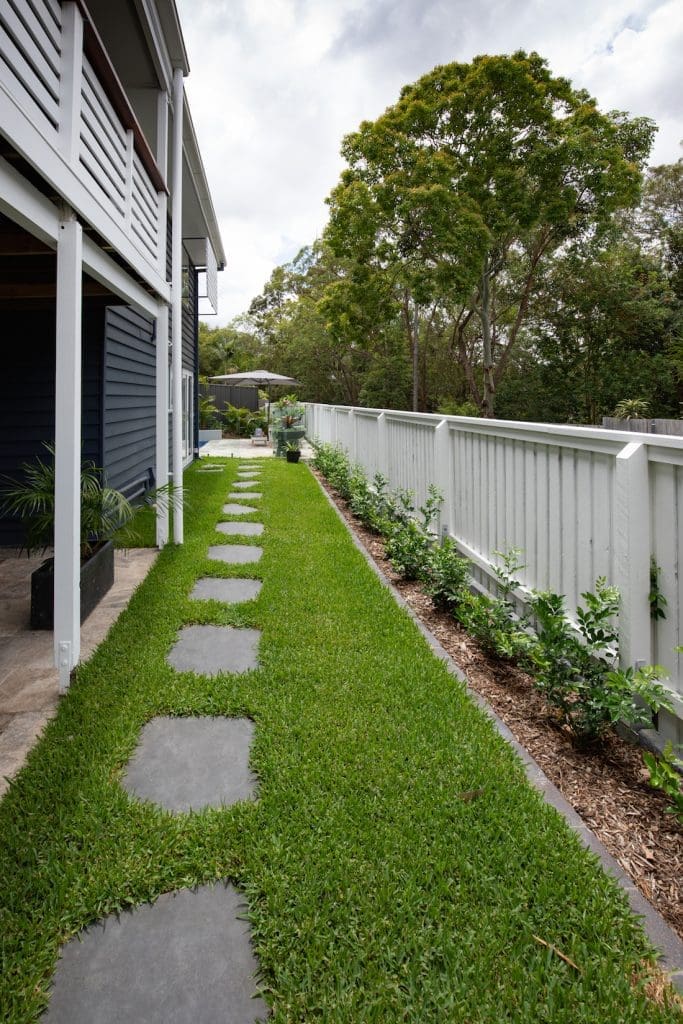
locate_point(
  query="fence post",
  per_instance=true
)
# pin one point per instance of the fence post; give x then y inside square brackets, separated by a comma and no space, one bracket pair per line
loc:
[353,442]
[442,473]
[382,446]
[632,553]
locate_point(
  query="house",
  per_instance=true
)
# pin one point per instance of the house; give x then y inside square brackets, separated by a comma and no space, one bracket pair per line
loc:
[108,237]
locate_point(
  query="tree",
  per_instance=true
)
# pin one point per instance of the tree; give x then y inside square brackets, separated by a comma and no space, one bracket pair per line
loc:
[225,349]
[460,192]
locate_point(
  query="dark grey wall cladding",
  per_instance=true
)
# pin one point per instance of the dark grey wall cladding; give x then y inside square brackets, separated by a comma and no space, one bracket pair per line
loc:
[27,392]
[129,418]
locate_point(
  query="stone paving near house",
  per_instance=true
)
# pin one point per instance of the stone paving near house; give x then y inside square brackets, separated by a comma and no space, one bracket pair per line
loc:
[188,956]
[28,678]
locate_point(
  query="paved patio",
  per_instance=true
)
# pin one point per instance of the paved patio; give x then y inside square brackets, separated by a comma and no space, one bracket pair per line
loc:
[28,678]
[242,448]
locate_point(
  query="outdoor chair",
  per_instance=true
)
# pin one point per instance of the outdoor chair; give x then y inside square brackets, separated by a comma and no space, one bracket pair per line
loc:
[258,437]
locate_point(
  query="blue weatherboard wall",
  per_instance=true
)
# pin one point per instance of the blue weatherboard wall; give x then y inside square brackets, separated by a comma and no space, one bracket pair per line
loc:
[129,400]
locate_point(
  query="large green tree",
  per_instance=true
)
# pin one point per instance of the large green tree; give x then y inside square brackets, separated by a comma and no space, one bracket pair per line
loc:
[461,192]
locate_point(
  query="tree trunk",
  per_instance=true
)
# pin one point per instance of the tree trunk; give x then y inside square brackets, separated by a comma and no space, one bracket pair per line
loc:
[487,345]
[416,358]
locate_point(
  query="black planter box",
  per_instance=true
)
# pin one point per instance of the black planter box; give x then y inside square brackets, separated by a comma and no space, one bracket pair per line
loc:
[97,577]
[293,456]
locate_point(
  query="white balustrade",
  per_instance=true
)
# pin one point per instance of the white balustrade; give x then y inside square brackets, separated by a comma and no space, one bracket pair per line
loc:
[579,502]
[55,109]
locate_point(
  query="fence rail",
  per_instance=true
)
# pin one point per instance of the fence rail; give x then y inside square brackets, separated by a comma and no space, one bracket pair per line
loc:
[580,502]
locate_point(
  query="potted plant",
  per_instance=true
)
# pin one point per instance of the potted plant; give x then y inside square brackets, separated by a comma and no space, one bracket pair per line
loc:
[103,512]
[293,451]
[290,413]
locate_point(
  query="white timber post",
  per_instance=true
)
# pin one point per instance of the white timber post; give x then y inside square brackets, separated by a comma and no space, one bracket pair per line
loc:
[176,301]
[67,566]
[70,81]
[353,439]
[162,325]
[632,553]
[161,469]
[442,473]
[162,164]
[382,445]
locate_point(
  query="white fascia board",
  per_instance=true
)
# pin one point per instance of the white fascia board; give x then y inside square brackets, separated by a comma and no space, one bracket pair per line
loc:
[46,159]
[26,206]
[200,186]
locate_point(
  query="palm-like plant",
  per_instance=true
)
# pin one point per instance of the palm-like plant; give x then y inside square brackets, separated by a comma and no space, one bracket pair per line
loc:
[103,509]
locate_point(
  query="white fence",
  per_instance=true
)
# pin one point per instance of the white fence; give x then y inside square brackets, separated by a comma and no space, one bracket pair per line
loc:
[579,502]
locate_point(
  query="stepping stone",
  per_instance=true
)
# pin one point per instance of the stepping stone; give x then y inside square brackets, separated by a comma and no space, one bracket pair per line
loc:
[245,494]
[210,469]
[238,510]
[186,957]
[208,650]
[248,473]
[211,588]
[235,554]
[246,484]
[184,764]
[240,529]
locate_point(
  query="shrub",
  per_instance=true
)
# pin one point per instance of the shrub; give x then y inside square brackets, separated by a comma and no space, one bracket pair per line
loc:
[242,422]
[446,575]
[578,671]
[409,542]
[664,775]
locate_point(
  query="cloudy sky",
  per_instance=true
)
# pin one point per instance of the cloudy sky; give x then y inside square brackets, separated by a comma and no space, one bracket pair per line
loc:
[274,85]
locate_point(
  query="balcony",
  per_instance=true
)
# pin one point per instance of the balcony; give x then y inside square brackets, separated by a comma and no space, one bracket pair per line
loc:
[64,111]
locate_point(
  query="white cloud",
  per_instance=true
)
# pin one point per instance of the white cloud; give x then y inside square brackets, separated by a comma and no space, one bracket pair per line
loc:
[275,84]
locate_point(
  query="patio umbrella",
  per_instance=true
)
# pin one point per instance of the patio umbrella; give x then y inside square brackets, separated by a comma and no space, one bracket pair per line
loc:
[258,379]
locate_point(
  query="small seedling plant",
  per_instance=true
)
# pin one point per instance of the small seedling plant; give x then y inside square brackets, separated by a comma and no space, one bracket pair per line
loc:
[410,542]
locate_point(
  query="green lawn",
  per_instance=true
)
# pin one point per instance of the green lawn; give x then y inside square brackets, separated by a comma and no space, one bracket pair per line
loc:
[376,893]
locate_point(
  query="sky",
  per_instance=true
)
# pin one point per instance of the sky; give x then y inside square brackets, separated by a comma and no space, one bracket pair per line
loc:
[275,85]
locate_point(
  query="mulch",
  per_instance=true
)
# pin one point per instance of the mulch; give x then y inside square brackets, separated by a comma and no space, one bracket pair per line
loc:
[607,784]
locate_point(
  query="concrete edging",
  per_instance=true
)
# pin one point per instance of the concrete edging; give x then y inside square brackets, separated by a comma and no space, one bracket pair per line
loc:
[657,930]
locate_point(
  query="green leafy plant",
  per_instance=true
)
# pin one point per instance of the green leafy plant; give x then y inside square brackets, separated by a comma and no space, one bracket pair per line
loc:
[242,422]
[493,621]
[632,409]
[656,598]
[294,446]
[290,409]
[410,542]
[446,575]
[104,510]
[665,775]
[578,671]
[209,416]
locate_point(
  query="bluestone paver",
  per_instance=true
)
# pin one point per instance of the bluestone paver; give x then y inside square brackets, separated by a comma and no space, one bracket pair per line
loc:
[245,494]
[235,554]
[243,484]
[208,650]
[186,957]
[240,529]
[184,764]
[229,591]
[231,509]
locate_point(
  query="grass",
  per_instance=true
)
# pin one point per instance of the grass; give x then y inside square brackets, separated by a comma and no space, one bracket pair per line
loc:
[379,888]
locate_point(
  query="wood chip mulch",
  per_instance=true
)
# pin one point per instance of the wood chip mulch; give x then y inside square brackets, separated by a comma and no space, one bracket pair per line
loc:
[607,786]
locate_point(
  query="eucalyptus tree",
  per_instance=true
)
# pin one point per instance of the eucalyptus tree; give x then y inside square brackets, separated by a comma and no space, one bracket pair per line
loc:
[460,192]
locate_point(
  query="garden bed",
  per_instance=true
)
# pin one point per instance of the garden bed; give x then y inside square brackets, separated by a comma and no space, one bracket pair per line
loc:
[607,785]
